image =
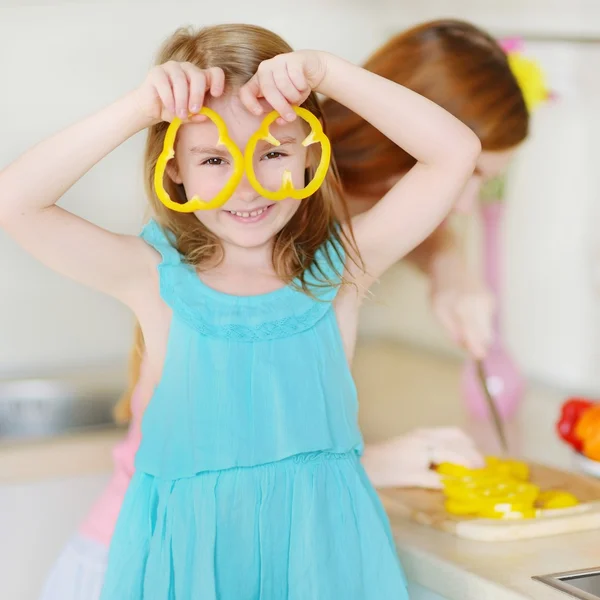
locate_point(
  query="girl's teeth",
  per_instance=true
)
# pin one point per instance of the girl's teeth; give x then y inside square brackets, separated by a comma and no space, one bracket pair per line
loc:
[254,213]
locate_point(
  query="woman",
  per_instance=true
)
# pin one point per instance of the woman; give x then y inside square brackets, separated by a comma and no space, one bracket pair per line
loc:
[463,69]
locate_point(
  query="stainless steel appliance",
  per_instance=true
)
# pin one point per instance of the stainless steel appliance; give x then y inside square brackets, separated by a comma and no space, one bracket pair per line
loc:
[34,408]
[583,584]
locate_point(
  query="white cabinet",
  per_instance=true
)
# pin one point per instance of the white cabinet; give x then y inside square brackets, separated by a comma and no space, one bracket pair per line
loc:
[36,519]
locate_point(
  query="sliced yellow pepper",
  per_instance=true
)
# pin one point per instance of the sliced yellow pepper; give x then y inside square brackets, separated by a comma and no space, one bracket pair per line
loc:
[495,469]
[243,162]
[453,470]
[557,499]
[460,508]
[508,510]
[507,490]
[514,468]
[500,490]
[491,509]
[287,189]
[195,203]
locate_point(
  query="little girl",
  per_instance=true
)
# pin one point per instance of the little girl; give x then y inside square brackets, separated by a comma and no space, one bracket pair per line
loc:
[247,481]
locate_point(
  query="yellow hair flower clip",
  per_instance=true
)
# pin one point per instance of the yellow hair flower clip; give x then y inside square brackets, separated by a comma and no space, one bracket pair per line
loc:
[528,73]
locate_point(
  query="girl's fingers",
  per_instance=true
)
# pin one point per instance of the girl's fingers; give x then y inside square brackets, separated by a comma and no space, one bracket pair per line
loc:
[180,86]
[162,85]
[287,88]
[249,95]
[274,97]
[197,86]
[297,77]
[216,78]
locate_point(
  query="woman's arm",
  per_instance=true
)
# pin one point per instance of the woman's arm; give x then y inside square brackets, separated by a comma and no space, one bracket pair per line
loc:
[460,300]
[432,250]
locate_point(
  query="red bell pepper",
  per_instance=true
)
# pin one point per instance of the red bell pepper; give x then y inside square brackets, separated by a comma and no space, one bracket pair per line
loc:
[571,412]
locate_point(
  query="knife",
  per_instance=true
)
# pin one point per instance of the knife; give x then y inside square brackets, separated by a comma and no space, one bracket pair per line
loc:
[498,424]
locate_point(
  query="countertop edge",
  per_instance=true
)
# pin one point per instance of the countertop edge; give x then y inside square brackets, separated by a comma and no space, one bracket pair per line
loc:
[419,564]
[70,455]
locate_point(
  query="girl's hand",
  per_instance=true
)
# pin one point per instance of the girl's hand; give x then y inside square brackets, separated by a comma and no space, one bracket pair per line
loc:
[176,89]
[407,460]
[465,308]
[284,81]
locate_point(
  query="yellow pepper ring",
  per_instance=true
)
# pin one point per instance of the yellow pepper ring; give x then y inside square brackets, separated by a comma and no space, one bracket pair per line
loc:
[196,203]
[287,189]
[500,490]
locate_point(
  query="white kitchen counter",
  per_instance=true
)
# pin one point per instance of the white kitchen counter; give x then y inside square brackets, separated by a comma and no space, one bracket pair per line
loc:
[65,456]
[48,486]
[36,520]
[466,570]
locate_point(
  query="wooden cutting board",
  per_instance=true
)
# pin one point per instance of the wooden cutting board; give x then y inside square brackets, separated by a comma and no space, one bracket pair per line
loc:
[427,508]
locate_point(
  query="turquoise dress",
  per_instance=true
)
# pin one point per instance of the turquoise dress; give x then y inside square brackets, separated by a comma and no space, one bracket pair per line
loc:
[248,484]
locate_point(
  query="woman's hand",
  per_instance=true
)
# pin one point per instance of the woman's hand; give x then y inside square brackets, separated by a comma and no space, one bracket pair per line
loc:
[406,461]
[465,307]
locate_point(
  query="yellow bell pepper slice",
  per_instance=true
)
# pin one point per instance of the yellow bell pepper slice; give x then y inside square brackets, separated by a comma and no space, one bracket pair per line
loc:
[553,499]
[514,468]
[507,510]
[287,189]
[453,470]
[460,508]
[491,509]
[500,490]
[495,468]
[525,492]
[195,203]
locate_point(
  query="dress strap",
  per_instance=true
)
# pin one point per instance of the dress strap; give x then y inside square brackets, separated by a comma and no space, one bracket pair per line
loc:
[162,241]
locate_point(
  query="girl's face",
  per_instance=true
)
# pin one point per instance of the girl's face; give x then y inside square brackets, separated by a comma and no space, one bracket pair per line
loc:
[489,166]
[203,167]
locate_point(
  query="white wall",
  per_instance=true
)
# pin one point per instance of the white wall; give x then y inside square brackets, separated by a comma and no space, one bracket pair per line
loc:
[552,236]
[61,60]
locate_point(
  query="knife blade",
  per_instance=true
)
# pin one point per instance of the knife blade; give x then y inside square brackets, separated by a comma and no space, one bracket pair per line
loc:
[497,419]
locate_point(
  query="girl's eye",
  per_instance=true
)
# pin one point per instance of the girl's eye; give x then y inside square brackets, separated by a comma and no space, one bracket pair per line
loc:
[214,161]
[274,154]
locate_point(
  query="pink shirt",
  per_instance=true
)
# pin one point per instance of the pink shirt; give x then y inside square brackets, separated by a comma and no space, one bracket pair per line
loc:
[100,521]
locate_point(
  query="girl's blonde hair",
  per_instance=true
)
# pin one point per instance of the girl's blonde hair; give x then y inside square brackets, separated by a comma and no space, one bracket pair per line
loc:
[122,411]
[239,50]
